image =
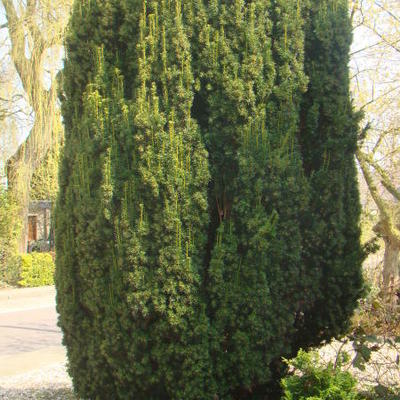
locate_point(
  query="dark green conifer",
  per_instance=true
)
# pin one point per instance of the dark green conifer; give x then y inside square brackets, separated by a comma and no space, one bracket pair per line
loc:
[198,240]
[252,77]
[84,235]
[132,216]
[328,137]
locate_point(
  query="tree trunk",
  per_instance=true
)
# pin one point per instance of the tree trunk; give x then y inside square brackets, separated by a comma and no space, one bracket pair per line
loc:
[391,270]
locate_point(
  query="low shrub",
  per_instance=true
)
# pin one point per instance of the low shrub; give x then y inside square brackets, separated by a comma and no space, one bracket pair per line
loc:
[37,269]
[309,380]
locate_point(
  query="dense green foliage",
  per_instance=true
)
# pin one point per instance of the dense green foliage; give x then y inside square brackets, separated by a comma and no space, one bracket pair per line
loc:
[9,231]
[328,137]
[258,192]
[312,381]
[37,269]
[186,223]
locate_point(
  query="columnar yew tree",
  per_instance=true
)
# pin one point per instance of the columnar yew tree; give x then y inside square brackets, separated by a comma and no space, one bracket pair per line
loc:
[137,217]
[253,76]
[328,137]
[189,208]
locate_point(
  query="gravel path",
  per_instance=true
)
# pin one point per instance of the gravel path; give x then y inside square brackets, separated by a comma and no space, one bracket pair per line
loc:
[49,383]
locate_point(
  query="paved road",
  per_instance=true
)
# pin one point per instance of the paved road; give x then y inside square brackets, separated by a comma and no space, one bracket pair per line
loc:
[29,336]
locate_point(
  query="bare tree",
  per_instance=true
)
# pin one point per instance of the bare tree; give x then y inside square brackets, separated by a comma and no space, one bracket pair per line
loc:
[376,84]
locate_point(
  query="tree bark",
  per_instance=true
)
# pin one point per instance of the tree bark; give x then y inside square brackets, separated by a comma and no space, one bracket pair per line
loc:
[391,271]
[388,227]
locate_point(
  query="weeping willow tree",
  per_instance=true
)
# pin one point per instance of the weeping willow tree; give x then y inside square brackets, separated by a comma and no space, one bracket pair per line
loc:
[36,30]
[189,210]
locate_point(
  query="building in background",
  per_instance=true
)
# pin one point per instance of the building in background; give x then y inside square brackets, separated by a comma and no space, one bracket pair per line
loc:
[40,232]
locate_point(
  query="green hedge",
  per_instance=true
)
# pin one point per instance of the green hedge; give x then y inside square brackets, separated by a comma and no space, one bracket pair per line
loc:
[37,269]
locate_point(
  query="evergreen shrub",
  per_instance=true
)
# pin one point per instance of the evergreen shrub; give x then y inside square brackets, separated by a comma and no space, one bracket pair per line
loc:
[207,222]
[309,380]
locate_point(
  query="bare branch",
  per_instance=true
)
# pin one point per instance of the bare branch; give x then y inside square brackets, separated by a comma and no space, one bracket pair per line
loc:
[395,17]
[363,134]
[384,39]
[384,177]
[374,99]
[17,38]
[354,9]
[379,141]
[368,47]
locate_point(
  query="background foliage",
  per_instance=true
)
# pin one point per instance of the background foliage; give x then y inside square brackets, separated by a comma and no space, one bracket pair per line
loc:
[9,231]
[37,269]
